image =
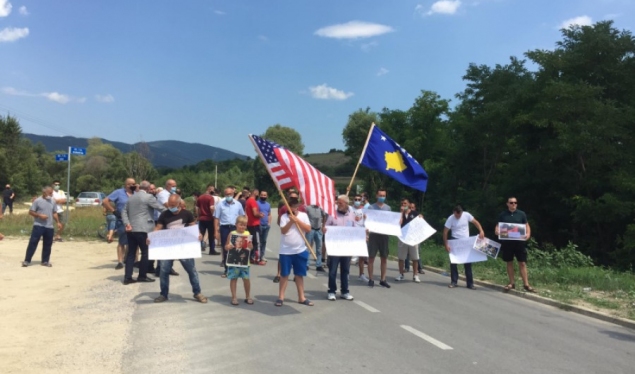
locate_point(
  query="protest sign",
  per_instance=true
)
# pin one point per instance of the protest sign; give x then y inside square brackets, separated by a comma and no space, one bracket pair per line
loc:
[383,222]
[239,255]
[346,241]
[416,231]
[174,244]
[489,247]
[462,252]
[512,231]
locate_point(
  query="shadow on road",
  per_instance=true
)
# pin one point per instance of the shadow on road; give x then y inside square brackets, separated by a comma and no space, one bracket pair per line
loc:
[263,304]
[619,336]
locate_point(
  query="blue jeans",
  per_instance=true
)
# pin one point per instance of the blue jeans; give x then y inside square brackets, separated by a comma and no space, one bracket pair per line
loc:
[189,266]
[315,237]
[454,274]
[47,240]
[264,232]
[345,265]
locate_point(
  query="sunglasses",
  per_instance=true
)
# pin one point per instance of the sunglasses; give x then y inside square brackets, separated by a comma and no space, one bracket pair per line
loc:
[512,202]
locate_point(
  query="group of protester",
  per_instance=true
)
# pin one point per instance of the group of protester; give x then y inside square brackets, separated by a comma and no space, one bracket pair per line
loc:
[138,209]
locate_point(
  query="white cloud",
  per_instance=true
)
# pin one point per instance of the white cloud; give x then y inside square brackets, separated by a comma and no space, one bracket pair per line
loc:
[219,12]
[108,98]
[440,7]
[366,47]
[579,21]
[353,30]
[52,96]
[23,11]
[324,92]
[5,8]
[382,71]
[11,34]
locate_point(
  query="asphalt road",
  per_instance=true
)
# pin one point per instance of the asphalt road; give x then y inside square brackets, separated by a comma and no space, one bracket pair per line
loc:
[410,328]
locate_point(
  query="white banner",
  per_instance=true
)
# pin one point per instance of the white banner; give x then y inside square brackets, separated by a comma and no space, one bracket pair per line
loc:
[462,251]
[174,244]
[416,231]
[383,222]
[346,241]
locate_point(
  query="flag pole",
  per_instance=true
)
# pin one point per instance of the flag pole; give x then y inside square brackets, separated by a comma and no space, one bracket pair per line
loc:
[284,199]
[348,189]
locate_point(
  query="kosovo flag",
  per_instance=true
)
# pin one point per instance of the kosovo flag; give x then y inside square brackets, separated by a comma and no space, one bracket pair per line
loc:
[386,156]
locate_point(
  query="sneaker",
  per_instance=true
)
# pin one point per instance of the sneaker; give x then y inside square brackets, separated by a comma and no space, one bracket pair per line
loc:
[160,299]
[200,298]
[400,278]
[346,296]
[320,269]
[25,264]
[421,271]
[416,279]
[330,296]
[119,266]
[174,273]
[363,278]
[354,260]
[383,283]
[371,283]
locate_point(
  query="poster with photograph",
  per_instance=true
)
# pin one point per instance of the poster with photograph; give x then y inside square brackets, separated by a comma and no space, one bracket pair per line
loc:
[238,256]
[489,247]
[512,231]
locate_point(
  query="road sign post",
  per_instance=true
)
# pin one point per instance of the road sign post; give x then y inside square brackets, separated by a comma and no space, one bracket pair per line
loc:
[71,151]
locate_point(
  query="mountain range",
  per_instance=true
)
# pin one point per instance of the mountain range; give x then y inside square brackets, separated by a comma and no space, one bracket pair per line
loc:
[163,153]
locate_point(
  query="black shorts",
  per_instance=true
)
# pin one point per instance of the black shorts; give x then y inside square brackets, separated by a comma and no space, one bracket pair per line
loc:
[514,248]
[378,243]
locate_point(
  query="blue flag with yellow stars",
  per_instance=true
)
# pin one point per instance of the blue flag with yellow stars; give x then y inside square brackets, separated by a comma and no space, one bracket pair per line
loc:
[386,156]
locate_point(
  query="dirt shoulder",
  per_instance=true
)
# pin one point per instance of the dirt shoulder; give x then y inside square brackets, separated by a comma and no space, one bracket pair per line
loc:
[71,318]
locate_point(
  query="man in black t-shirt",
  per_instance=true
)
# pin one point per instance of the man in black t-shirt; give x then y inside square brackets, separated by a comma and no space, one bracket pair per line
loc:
[7,199]
[175,217]
[404,250]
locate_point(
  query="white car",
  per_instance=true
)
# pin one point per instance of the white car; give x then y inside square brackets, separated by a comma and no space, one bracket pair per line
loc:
[89,199]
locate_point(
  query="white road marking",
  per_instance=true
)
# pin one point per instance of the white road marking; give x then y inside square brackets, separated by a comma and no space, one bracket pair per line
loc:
[366,306]
[427,338]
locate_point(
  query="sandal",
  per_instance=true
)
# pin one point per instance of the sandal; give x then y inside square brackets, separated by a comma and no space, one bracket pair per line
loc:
[306,302]
[510,286]
[529,289]
[234,302]
[276,279]
[249,301]
[279,302]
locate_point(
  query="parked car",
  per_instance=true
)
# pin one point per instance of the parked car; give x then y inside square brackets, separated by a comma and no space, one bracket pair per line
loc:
[89,199]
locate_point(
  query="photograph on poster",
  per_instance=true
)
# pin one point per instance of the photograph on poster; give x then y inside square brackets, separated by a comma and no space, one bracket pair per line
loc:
[238,256]
[512,231]
[489,247]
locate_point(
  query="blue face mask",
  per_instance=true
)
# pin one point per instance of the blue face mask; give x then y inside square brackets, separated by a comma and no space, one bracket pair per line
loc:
[229,199]
[174,210]
[357,203]
[381,199]
[173,190]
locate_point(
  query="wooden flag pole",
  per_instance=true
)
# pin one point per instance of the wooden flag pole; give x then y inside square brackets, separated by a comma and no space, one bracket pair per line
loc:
[286,203]
[348,189]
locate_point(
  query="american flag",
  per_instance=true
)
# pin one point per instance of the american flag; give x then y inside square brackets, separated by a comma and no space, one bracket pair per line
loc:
[289,170]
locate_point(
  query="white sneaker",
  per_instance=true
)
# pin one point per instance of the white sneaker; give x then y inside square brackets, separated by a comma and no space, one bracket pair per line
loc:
[416,279]
[363,278]
[331,296]
[354,260]
[399,278]
[346,296]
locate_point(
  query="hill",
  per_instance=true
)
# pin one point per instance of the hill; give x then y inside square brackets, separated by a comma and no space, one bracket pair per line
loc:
[163,153]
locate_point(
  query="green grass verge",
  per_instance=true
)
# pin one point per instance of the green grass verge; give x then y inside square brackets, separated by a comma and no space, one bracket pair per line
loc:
[83,224]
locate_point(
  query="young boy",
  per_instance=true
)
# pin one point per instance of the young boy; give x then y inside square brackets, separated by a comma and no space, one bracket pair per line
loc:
[235,272]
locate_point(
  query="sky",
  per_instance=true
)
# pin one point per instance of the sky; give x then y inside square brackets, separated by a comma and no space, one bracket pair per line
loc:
[214,71]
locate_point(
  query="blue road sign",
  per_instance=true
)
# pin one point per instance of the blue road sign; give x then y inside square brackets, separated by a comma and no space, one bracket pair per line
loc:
[78,151]
[61,157]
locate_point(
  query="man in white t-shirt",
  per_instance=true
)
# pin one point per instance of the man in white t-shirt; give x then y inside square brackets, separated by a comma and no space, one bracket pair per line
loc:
[293,251]
[458,222]
[162,198]
[60,199]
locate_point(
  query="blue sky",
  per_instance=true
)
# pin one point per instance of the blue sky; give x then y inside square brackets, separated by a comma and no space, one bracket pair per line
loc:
[212,72]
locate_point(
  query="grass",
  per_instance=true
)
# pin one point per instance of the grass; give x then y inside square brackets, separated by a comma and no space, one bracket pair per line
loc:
[610,291]
[83,224]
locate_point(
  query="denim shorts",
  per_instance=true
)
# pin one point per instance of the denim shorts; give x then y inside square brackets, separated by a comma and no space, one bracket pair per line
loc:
[297,261]
[111,222]
[236,272]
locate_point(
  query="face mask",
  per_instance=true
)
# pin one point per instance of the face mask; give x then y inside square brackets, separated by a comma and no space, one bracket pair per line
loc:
[174,209]
[173,190]
[404,208]
[47,197]
[56,188]
[381,199]
[229,199]
[132,188]
[263,199]
[357,203]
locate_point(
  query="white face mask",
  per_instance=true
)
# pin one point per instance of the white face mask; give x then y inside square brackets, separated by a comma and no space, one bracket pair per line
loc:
[48,197]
